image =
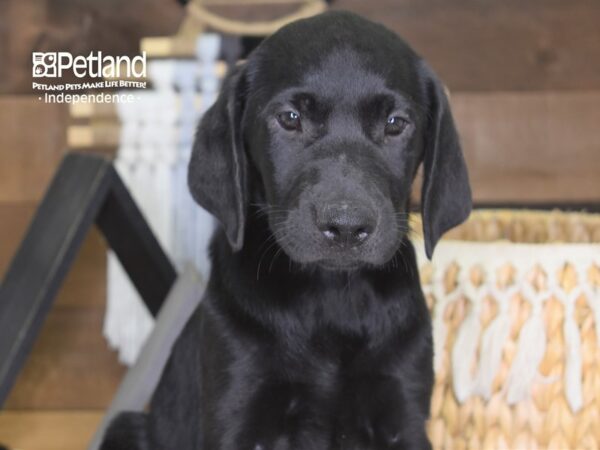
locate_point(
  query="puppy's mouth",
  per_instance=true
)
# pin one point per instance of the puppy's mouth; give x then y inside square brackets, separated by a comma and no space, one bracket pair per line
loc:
[342,243]
[339,266]
[316,252]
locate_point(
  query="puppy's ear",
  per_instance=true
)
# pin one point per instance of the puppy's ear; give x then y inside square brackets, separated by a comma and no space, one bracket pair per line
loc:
[217,169]
[446,194]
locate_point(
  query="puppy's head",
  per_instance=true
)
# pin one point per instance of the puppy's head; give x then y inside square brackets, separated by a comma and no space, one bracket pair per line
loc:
[324,128]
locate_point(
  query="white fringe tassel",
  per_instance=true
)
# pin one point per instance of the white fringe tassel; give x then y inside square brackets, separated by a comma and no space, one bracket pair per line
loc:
[531,348]
[492,344]
[467,339]
[156,141]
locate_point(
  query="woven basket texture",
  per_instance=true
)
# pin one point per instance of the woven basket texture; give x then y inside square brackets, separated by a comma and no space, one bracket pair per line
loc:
[547,417]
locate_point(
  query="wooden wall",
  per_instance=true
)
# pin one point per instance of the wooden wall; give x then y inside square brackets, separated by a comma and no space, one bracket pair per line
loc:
[525,82]
[71,374]
[538,45]
[70,367]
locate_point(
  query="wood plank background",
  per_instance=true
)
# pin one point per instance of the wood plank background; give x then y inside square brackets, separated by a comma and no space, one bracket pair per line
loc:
[44,430]
[474,45]
[498,45]
[531,146]
[525,82]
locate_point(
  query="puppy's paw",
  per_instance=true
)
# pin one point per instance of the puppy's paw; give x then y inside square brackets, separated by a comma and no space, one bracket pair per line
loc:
[380,438]
[397,427]
[368,435]
[308,438]
[355,430]
[377,417]
[281,443]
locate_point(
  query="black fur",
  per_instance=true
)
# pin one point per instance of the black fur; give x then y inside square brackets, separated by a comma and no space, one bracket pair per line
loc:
[313,333]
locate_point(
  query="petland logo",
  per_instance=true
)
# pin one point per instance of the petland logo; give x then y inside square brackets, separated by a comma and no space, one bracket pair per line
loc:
[120,74]
[95,65]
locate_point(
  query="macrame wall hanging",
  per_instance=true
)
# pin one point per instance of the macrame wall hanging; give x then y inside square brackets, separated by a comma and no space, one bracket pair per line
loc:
[155,145]
[516,323]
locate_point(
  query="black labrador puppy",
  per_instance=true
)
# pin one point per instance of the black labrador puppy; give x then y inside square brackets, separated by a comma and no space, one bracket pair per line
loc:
[313,333]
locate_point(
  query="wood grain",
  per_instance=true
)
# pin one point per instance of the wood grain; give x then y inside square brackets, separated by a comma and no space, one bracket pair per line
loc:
[111,26]
[505,45]
[32,143]
[474,45]
[24,22]
[48,430]
[85,284]
[14,220]
[531,146]
[70,366]
[4,36]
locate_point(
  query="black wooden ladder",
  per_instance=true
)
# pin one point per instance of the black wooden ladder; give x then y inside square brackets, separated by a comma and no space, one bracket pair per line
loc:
[86,190]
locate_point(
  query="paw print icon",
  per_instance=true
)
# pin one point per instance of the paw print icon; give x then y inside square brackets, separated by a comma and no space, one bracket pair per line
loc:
[44,64]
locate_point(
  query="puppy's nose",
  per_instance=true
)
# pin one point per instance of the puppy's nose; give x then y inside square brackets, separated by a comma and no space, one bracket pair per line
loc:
[346,224]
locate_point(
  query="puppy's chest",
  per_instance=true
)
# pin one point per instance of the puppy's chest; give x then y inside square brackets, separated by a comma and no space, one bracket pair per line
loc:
[343,323]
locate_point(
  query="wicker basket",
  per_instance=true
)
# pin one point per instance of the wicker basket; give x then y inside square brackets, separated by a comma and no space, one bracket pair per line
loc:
[515,300]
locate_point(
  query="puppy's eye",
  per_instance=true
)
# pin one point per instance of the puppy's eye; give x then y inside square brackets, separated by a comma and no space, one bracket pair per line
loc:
[395,126]
[289,120]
